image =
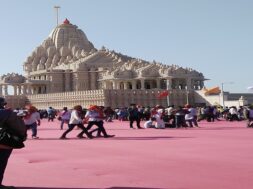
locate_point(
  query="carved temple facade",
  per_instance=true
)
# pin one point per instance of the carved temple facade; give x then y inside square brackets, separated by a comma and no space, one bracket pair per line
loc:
[66,69]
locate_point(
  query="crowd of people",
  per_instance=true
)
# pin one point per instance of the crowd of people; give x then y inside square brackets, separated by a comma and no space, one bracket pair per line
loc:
[158,117]
[154,117]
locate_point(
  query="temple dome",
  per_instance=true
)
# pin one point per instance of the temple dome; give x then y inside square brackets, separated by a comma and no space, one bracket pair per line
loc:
[68,35]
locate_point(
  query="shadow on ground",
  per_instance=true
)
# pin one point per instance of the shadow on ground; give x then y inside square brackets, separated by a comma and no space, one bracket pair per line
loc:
[116,187]
[119,138]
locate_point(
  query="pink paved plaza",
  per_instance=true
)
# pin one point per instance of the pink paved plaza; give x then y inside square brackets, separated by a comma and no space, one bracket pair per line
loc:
[217,155]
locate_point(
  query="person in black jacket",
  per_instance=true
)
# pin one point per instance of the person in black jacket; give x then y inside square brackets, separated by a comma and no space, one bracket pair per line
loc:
[16,126]
[134,115]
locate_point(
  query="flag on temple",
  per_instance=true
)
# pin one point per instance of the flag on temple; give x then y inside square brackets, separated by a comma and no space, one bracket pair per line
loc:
[212,91]
[163,94]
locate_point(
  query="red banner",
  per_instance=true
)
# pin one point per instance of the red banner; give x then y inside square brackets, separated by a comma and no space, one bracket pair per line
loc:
[163,94]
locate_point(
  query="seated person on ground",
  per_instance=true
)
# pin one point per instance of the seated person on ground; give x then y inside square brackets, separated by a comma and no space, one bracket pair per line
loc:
[159,119]
[150,123]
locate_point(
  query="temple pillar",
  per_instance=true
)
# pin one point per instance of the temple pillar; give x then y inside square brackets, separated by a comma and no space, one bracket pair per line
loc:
[67,81]
[29,89]
[168,83]
[177,84]
[19,90]
[118,85]
[114,86]
[93,79]
[5,90]
[142,84]
[15,89]
[134,84]
[158,83]
[125,85]
[105,85]
[34,90]
[22,89]
[45,89]
[188,84]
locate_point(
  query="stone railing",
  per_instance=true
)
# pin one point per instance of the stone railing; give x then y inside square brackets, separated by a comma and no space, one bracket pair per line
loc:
[68,99]
[113,98]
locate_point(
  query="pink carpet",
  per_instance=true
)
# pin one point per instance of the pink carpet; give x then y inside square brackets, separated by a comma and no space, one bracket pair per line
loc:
[218,155]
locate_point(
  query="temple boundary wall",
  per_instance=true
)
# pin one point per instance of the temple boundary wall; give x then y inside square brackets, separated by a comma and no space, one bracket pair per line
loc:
[109,97]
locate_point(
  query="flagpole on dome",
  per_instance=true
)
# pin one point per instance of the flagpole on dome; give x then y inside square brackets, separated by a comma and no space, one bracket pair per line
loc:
[57,14]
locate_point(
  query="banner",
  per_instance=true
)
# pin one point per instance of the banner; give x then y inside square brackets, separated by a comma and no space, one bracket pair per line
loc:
[163,94]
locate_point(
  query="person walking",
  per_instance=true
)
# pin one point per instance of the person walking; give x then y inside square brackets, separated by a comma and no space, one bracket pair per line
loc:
[17,126]
[76,120]
[64,116]
[191,117]
[51,114]
[95,116]
[134,115]
[32,120]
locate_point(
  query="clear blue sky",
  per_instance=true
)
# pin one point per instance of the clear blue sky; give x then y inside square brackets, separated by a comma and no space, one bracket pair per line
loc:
[214,37]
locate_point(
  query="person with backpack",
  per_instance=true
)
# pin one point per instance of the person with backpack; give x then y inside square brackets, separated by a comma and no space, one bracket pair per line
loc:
[10,122]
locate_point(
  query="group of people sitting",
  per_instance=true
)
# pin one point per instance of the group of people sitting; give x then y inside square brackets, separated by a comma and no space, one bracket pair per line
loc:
[172,117]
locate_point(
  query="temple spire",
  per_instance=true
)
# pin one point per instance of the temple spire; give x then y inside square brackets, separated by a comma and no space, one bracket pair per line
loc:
[66,21]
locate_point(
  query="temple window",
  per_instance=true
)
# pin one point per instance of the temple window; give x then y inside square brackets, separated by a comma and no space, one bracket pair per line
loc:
[39,90]
[147,85]
[163,84]
[129,85]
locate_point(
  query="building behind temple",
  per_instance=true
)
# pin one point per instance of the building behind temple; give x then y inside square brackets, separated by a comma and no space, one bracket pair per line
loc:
[66,69]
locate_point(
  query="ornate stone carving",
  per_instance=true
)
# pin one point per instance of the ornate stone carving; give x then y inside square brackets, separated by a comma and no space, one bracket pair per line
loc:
[13,78]
[67,57]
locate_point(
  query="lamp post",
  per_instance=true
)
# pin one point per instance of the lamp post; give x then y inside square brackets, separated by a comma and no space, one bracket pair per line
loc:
[222,92]
[187,95]
[168,87]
